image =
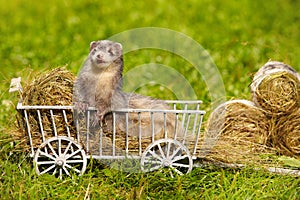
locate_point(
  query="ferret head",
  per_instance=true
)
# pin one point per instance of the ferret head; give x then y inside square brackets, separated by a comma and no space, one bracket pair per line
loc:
[105,52]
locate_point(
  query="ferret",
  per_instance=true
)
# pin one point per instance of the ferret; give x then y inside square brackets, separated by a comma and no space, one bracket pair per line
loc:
[99,85]
[99,82]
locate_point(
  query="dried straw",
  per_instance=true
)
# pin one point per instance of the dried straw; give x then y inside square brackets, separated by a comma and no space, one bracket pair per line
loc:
[276,89]
[54,87]
[236,133]
[286,137]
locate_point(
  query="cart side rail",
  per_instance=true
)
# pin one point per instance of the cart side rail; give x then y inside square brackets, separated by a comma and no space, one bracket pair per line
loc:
[62,122]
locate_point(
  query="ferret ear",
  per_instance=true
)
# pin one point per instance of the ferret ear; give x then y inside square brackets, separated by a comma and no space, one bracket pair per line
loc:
[118,46]
[93,45]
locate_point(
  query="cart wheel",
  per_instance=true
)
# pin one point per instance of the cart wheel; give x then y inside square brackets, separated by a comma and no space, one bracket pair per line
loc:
[60,156]
[167,153]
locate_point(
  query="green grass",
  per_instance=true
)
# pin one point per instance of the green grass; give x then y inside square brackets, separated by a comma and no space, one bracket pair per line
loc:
[20,181]
[240,36]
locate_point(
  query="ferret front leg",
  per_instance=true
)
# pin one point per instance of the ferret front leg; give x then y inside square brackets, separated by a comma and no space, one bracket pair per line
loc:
[102,109]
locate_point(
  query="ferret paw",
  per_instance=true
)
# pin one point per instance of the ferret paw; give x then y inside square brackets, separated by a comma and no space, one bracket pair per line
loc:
[97,119]
[100,115]
[81,106]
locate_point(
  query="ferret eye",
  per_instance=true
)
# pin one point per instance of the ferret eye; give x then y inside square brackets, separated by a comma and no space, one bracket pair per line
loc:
[110,51]
[93,51]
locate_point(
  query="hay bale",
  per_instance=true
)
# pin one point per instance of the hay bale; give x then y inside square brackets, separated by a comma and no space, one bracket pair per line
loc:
[54,87]
[236,132]
[286,137]
[276,88]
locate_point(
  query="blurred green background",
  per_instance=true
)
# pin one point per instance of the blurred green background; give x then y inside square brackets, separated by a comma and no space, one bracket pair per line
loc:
[240,36]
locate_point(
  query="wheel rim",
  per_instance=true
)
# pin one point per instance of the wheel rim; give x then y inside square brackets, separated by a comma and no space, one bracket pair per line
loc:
[60,156]
[169,154]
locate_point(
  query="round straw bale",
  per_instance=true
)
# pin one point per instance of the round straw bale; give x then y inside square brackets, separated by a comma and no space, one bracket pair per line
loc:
[54,87]
[51,88]
[236,132]
[286,138]
[276,88]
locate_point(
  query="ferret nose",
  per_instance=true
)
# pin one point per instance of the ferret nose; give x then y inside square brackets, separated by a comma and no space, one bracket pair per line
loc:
[99,56]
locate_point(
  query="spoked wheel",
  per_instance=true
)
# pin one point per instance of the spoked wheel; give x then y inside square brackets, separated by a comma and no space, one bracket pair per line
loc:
[60,156]
[167,153]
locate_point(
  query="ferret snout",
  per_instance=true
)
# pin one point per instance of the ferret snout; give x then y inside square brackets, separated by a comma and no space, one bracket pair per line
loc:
[100,58]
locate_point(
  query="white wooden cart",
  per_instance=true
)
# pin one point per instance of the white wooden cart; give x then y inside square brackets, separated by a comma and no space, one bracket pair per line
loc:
[59,150]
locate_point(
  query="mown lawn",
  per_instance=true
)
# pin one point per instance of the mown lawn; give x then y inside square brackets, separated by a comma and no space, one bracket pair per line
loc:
[240,36]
